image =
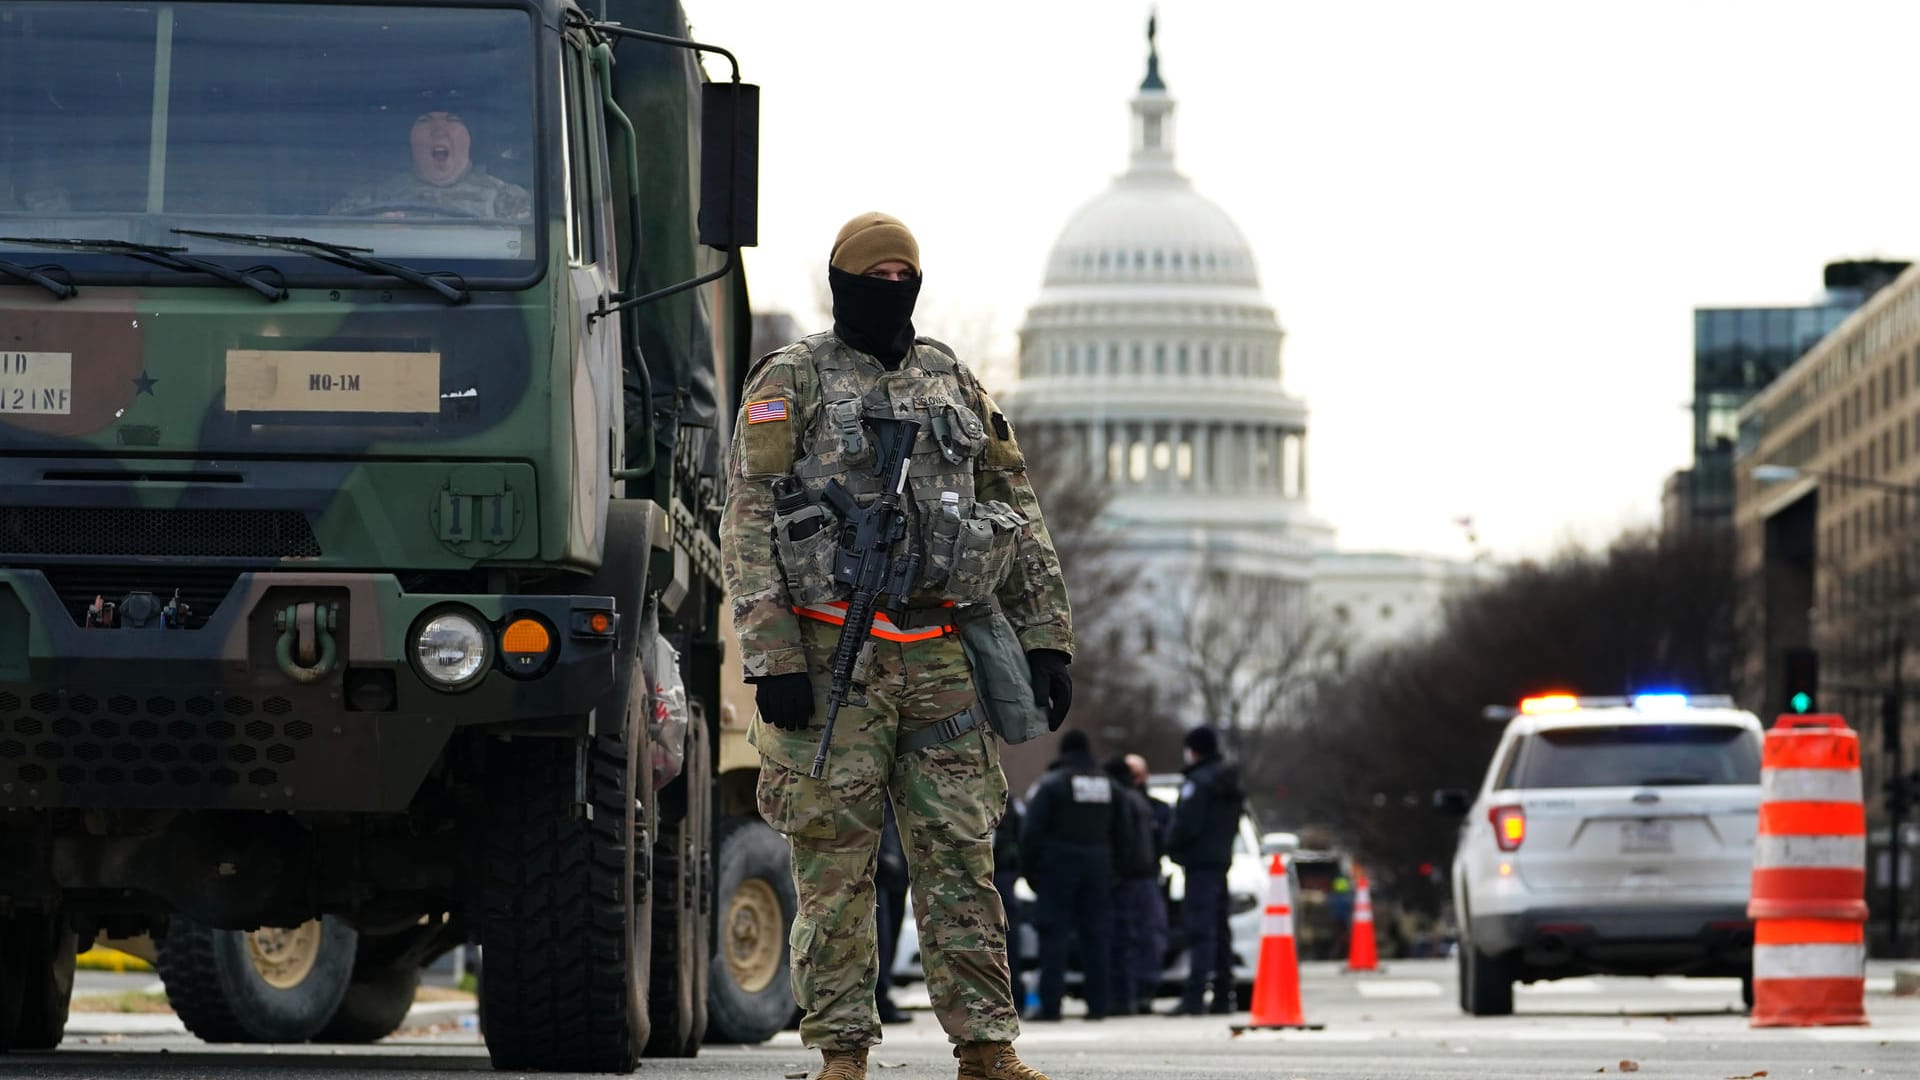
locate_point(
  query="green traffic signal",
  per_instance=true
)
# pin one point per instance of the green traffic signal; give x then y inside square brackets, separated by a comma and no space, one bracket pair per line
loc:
[1801,701]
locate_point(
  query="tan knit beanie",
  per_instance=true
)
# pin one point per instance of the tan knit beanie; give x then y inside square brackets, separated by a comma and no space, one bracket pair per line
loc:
[871,239]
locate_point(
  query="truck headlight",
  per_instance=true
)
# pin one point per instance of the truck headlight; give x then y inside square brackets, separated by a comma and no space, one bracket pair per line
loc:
[452,649]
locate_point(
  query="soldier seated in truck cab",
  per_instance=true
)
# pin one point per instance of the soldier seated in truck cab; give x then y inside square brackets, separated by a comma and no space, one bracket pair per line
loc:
[444,181]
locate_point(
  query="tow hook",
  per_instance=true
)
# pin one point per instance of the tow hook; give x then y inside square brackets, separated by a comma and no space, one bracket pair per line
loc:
[306,650]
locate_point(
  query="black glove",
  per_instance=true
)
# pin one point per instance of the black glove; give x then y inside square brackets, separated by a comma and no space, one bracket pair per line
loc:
[785,701]
[1052,689]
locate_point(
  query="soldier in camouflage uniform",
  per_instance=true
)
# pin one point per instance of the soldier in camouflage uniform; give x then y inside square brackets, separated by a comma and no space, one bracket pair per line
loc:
[444,178]
[918,735]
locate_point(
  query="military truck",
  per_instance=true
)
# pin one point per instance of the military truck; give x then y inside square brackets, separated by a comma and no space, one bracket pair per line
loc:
[362,379]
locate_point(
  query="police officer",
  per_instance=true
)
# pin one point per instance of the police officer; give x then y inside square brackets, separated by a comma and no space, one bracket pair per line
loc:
[1139,910]
[1201,841]
[890,909]
[916,735]
[1006,878]
[1066,852]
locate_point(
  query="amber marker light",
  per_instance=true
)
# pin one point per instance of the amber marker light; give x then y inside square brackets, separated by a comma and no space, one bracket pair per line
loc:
[600,622]
[525,645]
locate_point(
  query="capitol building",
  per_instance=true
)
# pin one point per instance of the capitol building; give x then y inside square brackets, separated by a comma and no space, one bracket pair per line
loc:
[1153,359]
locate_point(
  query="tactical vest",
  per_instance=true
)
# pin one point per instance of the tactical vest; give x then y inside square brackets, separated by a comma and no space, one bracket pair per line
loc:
[966,547]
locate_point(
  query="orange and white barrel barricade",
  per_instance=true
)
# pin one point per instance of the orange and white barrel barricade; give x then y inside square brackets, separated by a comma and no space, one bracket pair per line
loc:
[1809,877]
[1362,952]
[1276,982]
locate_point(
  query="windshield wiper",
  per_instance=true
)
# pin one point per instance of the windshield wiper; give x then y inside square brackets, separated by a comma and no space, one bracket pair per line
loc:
[354,257]
[38,276]
[168,257]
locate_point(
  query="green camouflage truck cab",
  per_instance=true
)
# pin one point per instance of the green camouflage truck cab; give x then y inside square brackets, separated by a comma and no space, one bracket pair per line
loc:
[356,508]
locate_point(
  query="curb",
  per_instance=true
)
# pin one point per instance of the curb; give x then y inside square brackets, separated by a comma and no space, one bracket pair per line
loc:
[163,1024]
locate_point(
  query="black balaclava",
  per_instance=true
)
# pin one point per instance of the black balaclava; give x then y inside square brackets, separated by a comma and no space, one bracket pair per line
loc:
[874,315]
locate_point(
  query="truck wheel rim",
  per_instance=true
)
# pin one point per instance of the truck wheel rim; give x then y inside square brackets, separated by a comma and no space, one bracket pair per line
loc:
[754,937]
[284,958]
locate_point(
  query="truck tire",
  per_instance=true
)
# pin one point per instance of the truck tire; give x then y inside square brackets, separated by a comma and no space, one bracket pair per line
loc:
[263,986]
[1486,982]
[565,906]
[750,995]
[36,980]
[683,901]
[375,1005]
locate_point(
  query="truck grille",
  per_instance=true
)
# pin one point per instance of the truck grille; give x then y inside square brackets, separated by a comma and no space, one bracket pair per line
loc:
[234,743]
[201,588]
[180,533]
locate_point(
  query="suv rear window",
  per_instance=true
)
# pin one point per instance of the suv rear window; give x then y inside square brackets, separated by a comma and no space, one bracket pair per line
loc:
[1639,755]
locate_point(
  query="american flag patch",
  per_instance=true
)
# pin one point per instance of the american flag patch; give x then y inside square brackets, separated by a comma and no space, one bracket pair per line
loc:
[760,412]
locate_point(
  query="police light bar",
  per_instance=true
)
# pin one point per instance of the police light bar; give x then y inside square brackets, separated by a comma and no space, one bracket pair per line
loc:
[1657,701]
[1549,703]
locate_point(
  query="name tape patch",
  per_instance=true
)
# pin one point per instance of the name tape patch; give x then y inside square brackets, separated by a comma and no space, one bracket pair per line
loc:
[761,412]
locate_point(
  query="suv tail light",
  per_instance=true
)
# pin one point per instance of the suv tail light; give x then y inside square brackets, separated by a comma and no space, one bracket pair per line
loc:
[1509,826]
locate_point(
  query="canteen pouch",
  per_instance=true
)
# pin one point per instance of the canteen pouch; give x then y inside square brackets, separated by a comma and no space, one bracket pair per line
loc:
[1001,677]
[806,540]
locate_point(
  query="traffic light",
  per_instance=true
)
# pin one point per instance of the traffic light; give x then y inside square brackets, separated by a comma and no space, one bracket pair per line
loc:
[1803,680]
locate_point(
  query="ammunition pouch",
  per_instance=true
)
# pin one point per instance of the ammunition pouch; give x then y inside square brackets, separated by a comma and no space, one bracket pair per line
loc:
[969,559]
[1001,678]
[806,541]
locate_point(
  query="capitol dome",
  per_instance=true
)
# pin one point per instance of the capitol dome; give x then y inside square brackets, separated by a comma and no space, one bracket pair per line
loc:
[1151,227]
[1152,357]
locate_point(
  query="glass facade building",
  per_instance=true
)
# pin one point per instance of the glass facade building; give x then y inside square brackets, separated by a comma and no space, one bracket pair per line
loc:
[1737,352]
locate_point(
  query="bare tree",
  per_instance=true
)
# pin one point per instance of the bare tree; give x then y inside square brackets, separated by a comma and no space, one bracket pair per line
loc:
[1249,652]
[1649,612]
[1117,700]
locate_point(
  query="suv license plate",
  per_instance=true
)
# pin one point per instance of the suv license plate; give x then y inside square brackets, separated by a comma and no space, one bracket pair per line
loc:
[1646,838]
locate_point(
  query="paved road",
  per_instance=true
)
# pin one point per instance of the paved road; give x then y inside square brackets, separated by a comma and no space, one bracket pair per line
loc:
[1403,1023]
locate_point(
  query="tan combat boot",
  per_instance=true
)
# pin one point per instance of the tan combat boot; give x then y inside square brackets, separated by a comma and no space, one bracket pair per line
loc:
[993,1061]
[842,1065]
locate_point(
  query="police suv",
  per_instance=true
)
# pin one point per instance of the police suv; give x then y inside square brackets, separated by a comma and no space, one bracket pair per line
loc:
[1610,836]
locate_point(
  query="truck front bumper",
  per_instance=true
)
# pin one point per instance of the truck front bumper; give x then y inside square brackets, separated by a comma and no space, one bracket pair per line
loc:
[213,717]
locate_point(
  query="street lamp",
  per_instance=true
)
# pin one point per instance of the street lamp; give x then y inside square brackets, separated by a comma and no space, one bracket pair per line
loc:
[1892,706]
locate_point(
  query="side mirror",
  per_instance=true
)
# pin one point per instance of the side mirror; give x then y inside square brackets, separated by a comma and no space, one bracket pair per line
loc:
[729,165]
[1451,802]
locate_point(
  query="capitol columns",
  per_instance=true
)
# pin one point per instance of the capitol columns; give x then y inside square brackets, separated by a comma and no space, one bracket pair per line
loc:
[1301,464]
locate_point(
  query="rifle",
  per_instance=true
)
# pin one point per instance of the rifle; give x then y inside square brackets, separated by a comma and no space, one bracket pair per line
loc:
[866,562]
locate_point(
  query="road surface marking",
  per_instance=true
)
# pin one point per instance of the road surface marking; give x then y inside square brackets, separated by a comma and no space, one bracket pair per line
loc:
[1399,988]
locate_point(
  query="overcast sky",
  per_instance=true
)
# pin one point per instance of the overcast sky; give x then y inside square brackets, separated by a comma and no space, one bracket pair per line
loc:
[1484,225]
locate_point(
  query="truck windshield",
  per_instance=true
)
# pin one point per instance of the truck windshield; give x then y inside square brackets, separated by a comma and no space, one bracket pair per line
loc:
[408,133]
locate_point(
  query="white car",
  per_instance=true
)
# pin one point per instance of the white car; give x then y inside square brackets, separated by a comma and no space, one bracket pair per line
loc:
[1246,890]
[1610,836]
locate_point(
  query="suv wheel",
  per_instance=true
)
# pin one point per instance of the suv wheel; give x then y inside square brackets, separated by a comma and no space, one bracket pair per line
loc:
[1486,982]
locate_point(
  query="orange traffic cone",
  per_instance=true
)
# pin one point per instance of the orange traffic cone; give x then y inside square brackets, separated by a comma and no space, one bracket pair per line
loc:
[1276,982]
[1361,953]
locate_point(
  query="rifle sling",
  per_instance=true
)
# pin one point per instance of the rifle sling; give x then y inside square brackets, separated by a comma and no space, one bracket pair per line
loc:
[939,734]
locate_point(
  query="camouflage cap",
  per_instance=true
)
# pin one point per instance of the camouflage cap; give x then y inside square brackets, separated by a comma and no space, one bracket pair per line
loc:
[871,239]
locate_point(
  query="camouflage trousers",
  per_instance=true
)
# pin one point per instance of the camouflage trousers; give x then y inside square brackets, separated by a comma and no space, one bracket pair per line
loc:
[947,800]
